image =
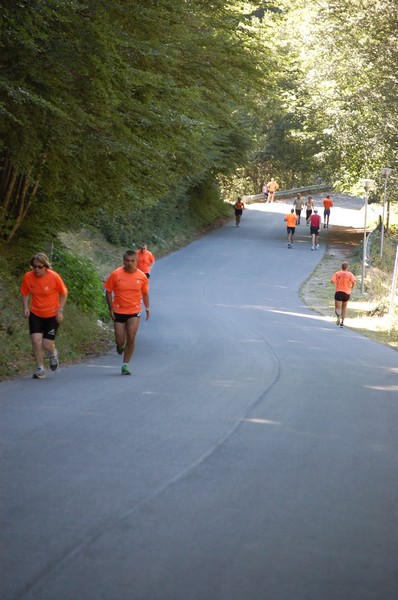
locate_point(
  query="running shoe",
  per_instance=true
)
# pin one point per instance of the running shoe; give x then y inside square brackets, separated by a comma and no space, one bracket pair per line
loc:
[125,370]
[120,348]
[312,247]
[341,324]
[54,362]
[338,320]
[39,373]
[317,246]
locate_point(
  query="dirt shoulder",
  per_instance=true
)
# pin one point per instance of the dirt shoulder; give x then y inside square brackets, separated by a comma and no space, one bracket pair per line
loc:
[317,292]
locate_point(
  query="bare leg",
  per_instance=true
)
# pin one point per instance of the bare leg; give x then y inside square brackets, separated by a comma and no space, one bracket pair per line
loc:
[337,310]
[343,310]
[131,329]
[37,347]
[120,333]
[48,346]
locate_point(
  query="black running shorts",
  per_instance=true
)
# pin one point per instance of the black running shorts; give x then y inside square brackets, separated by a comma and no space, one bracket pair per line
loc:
[342,296]
[46,325]
[119,318]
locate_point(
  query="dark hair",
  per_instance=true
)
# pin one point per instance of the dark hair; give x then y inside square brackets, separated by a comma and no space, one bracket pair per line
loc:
[129,253]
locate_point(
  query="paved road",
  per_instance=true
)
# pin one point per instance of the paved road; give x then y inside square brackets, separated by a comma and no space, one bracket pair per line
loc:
[253,455]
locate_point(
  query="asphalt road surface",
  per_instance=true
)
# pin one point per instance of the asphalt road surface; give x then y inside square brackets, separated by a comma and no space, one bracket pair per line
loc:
[253,454]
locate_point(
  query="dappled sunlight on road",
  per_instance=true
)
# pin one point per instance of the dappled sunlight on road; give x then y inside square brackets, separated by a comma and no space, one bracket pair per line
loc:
[383,388]
[262,422]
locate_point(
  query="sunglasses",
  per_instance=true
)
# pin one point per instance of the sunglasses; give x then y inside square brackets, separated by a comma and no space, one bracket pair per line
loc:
[38,267]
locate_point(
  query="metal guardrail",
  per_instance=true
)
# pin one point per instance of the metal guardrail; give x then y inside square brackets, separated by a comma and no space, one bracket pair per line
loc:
[287,193]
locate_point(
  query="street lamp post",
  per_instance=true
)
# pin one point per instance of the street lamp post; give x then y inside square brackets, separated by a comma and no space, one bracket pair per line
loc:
[368,185]
[386,172]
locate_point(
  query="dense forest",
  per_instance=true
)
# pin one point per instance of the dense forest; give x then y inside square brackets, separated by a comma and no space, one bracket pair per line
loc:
[139,117]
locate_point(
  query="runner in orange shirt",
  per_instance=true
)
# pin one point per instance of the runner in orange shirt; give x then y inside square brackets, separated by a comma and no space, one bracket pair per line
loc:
[327,204]
[47,293]
[145,260]
[291,221]
[125,288]
[344,282]
[239,208]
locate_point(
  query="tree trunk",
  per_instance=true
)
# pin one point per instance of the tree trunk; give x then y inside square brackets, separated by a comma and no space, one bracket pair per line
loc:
[17,191]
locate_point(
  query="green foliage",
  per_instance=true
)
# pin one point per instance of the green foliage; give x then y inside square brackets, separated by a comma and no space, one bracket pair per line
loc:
[84,285]
[185,209]
[347,52]
[115,104]
[386,261]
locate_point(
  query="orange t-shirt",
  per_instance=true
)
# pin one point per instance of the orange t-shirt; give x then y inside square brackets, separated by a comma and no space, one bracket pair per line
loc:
[145,260]
[127,289]
[327,203]
[44,292]
[291,220]
[344,281]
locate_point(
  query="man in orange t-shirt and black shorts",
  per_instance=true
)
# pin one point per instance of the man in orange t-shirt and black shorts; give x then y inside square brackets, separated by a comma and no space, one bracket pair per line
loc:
[145,260]
[291,222]
[344,282]
[125,288]
[327,205]
[48,294]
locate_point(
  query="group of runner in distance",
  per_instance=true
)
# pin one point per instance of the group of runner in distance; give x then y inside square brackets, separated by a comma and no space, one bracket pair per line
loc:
[344,280]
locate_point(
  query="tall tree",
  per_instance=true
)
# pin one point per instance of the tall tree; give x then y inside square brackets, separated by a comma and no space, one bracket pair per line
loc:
[105,103]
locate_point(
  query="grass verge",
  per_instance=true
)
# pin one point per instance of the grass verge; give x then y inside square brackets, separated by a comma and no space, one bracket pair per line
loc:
[368,313]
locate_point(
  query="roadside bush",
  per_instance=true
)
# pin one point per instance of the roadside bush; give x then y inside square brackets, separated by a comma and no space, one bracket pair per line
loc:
[83,282]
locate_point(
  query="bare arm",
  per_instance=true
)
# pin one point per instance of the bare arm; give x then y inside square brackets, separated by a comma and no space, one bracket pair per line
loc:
[145,299]
[108,296]
[60,313]
[25,305]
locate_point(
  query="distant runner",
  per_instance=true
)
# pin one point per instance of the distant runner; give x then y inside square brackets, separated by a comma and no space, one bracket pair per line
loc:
[344,282]
[272,188]
[327,204]
[291,227]
[239,207]
[145,260]
[298,205]
[309,207]
[315,224]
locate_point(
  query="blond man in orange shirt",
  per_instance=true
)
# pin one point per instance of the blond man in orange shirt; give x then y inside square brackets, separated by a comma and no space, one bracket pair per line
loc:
[291,222]
[47,294]
[344,282]
[125,288]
